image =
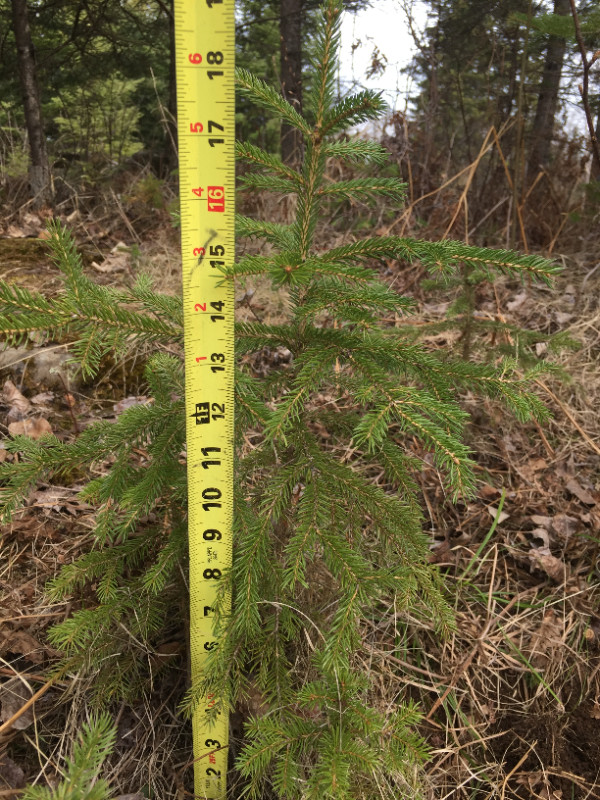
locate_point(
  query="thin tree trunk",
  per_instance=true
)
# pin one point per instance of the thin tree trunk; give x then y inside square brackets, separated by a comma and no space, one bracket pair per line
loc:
[171,144]
[547,104]
[595,173]
[39,170]
[290,32]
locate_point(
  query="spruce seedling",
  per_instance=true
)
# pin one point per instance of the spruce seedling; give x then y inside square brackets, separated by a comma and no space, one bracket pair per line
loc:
[479,332]
[81,779]
[322,546]
[328,525]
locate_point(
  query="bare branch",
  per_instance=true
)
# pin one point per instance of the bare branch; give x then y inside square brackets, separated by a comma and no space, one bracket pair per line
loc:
[584,88]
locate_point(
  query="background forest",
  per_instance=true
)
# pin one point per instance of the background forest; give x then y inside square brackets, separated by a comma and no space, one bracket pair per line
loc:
[493,154]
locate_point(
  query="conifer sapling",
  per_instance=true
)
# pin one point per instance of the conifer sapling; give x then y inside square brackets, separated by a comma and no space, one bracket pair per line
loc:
[328,525]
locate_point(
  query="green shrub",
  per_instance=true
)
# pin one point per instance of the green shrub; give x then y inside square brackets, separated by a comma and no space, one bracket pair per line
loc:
[97,122]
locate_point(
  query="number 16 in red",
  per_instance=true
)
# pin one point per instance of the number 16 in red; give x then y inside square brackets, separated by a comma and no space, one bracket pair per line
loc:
[216,198]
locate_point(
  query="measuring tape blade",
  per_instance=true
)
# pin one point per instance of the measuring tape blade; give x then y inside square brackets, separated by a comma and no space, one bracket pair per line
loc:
[205,48]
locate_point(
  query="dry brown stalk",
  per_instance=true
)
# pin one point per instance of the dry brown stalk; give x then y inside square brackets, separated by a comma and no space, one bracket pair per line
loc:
[509,180]
[472,170]
[521,761]
[466,663]
[568,414]
[11,720]
[407,213]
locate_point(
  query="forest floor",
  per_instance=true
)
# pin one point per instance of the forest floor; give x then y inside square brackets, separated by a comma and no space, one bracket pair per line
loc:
[511,700]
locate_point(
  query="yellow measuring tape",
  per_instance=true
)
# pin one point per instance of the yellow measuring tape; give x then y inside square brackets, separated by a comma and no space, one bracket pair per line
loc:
[205,48]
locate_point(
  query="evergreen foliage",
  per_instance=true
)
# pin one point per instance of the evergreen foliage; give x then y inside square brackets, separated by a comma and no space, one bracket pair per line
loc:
[97,122]
[499,338]
[75,43]
[328,524]
[140,533]
[81,779]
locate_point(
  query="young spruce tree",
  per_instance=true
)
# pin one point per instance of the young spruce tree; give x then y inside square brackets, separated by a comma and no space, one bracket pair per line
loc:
[328,524]
[80,779]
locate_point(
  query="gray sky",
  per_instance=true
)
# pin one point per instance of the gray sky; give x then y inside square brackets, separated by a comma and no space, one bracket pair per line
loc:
[383,28]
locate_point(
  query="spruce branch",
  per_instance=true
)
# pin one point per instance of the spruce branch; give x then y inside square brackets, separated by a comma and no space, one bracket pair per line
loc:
[357,151]
[319,545]
[353,110]
[80,780]
[260,158]
[323,59]
[273,232]
[272,183]
[264,95]
[387,187]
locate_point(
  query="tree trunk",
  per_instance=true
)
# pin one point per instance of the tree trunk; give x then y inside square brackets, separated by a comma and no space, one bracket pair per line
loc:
[290,32]
[547,104]
[171,143]
[39,170]
[595,172]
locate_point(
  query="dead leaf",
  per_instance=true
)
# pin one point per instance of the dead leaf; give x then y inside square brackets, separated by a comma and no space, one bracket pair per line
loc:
[32,225]
[564,527]
[13,696]
[552,566]
[19,404]
[23,643]
[31,219]
[518,300]
[595,711]
[493,512]
[541,521]
[42,398]
[486,491]
[531,780]
[537,464]
[532,467]
[59,499]
[439,309]
[34,428]
[562,317]
[51,498]
[11,775]
[116,261]
[442,554]
[542,533]
[129,402]
[550,794]
[546,639]
[14,232]
[580,493]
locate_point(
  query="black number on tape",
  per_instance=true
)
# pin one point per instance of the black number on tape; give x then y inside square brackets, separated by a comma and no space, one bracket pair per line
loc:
[211,574]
